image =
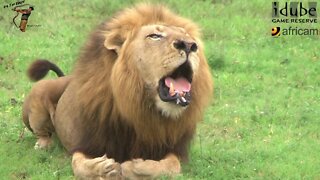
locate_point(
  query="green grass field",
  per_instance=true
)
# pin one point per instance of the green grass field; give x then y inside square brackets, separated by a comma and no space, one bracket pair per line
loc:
[264,122]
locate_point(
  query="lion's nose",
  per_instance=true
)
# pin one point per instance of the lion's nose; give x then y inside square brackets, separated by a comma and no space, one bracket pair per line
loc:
[185,46]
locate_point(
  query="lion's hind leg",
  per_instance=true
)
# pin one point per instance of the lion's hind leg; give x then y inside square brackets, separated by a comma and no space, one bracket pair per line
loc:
[41,125]
[94,168]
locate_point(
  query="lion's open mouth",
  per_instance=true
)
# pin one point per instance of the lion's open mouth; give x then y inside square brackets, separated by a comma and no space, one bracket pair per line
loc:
[176,87]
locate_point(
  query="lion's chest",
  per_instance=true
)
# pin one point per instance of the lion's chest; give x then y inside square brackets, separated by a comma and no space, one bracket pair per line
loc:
[124,142]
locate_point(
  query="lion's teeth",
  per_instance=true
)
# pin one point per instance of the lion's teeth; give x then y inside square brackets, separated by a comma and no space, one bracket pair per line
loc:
[171,90]
[183,99]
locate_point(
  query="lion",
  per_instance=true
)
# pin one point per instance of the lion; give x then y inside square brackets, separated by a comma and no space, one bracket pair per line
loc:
[139,88]
[39,106]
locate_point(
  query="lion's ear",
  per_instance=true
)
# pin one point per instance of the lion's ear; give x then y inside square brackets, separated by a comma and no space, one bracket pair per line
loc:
[114,41]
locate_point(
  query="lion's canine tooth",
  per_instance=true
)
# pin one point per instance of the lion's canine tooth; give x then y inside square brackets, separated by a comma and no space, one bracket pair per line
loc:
[178,101]
[183,99]
[171,90]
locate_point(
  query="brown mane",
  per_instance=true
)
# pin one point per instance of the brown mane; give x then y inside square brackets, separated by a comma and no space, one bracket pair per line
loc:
[129,127]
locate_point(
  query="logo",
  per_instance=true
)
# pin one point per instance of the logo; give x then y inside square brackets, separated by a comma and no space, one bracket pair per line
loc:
[25,10]
[25,14]
[294,12]
[297,16]
[296,9]
[275,31]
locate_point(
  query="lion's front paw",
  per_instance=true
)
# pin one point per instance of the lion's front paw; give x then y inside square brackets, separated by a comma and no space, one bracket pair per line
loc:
[97,168]
[104,166]
[142,169]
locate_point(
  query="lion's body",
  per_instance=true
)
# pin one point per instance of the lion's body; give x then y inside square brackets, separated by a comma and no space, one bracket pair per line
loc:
[99,122]
[40,104]
[43,98]
[118,138]
[112,105]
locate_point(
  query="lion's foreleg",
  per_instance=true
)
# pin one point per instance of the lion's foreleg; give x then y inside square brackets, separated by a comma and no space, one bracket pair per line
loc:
[138,168]
[96,168]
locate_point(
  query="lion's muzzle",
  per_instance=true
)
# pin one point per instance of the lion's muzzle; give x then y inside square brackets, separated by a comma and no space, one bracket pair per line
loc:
[176,87]
[185,46]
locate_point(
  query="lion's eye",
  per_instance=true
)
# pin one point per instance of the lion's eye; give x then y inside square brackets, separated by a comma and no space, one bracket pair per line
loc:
[155,36]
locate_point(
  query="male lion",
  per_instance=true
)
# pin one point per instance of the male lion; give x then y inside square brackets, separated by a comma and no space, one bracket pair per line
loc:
[137,92]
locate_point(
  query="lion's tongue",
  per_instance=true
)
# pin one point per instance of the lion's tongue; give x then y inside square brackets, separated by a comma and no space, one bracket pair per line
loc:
[180,84]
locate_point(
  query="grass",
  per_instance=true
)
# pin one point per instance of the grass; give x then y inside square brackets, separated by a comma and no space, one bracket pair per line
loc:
[263,124]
